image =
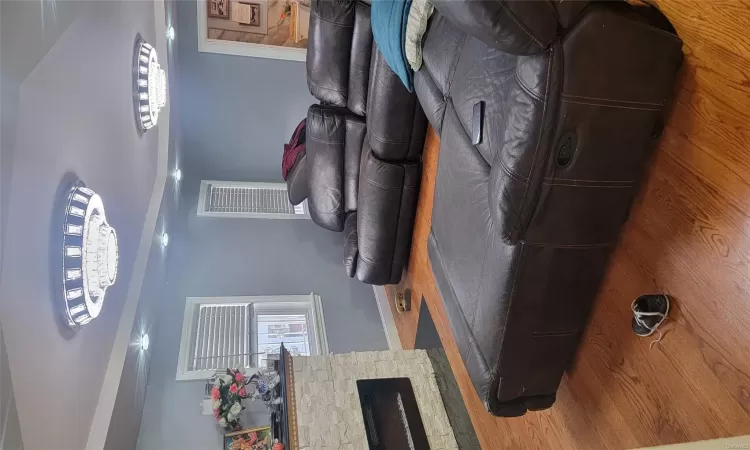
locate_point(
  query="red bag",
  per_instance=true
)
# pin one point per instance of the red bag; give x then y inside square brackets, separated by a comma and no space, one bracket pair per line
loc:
[294,149]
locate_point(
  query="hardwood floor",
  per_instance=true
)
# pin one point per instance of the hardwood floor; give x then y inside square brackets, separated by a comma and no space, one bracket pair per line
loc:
[689,236]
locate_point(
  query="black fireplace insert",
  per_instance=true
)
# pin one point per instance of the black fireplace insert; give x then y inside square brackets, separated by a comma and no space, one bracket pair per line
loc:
[392,419]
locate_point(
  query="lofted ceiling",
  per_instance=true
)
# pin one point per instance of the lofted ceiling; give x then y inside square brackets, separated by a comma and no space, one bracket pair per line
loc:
[68,112]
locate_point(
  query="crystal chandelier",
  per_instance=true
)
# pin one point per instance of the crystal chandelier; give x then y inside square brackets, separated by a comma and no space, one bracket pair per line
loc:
[89,256]
[150,89]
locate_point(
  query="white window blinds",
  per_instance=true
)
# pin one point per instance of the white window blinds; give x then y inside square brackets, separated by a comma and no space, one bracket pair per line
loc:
[248,200]
[222,337]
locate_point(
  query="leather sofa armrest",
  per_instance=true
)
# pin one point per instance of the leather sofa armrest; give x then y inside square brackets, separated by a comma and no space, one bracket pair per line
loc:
[296,182]
[519,27]
[326,136]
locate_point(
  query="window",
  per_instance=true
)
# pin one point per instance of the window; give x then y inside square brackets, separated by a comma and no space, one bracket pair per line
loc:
[248,200]
[221,332]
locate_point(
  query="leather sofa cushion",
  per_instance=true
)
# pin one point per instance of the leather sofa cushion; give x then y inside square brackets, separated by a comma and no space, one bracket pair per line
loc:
[355,137]
[334,146]
[359,66]
[520,27]
[339,53]
[329,50]
[395,120]
[387,203]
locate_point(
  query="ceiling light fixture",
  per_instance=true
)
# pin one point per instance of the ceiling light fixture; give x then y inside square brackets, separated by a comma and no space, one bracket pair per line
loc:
[149,85]
[164,239]
[177,174]
[145,342]
[89,256]
[170,33]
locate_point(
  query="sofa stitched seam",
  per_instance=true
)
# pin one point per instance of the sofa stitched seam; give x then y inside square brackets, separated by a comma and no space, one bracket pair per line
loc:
[371,262]
[570,246]
[454,66]
[631,182]
[539,139]
[493,374]
[510,173]
[359,69]
[609,106]
[520,25]
[342,25]
[527,89]
[343,91]
[386,141]
[589,185]
[313,138]
[336,115]
[612,100]
[327,213]
[382,186]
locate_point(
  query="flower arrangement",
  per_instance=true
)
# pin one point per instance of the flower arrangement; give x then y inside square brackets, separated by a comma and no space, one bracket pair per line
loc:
[227,394]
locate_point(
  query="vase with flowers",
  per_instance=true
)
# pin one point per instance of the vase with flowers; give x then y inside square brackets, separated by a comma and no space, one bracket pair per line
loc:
[228,391]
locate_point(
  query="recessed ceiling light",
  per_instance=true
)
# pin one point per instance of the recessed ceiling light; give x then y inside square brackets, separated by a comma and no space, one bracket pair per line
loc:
[89,256]
[164,239]
[177,174]
[170,33]
[149,85]
[145,342]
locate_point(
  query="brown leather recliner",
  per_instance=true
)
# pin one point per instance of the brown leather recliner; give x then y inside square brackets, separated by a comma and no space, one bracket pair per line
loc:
[547,113]
[361,170]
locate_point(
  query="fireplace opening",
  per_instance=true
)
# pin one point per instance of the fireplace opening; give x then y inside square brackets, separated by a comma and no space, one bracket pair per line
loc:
[392,419]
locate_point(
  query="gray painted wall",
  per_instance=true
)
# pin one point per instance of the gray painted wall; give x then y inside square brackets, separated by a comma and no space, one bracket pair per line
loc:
[226,257]
[233,129]
[237,112]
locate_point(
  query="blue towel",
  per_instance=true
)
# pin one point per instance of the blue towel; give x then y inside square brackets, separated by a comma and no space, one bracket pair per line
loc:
[388,18]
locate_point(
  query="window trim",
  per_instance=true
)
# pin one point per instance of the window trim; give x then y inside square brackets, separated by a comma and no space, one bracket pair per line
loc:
[259,304]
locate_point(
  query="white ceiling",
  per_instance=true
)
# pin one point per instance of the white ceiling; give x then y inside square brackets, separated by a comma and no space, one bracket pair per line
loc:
[74,115]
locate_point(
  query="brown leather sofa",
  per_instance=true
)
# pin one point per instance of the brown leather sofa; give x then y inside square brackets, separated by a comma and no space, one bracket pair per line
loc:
[361,170]
[547,114]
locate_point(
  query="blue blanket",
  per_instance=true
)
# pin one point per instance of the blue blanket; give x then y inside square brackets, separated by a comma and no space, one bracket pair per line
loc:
[388,19]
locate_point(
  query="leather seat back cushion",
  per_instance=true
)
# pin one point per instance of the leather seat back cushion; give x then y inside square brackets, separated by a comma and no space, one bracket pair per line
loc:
[338,54]
[361,54]
[387,203]
[395,122]
[333,137]
[329,50]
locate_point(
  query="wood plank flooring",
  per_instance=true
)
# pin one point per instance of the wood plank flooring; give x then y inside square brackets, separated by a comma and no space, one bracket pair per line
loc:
[689,236]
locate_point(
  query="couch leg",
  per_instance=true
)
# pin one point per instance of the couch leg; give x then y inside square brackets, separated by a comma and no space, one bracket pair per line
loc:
[403,301]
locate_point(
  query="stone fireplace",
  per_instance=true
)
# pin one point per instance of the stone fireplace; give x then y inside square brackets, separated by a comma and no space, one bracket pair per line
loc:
[328,404]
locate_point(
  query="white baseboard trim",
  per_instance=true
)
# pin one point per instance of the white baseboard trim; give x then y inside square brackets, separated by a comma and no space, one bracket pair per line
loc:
[386,316]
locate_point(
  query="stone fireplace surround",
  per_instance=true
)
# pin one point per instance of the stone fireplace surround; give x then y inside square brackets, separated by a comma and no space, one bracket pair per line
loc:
[326,403]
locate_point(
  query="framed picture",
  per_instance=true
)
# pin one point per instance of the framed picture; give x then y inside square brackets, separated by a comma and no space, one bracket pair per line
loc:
[259,28]
[250,439]
[218,9]
[246,13]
